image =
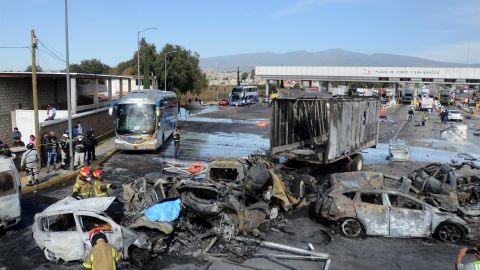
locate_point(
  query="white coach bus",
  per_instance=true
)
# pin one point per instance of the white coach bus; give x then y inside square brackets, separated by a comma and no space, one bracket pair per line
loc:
[144,119]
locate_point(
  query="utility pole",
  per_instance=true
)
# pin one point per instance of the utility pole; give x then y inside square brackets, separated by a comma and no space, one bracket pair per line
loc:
[69,94]
[238,75]
[35,96]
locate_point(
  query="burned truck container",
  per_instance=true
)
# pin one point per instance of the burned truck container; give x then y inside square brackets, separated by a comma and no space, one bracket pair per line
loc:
[324,129]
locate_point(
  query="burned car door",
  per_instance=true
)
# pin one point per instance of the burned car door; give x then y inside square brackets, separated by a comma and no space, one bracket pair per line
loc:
[88,221]
[372,211]
[61,237]
[408,218]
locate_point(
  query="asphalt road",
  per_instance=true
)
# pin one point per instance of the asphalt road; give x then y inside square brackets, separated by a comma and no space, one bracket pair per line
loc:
[218,133]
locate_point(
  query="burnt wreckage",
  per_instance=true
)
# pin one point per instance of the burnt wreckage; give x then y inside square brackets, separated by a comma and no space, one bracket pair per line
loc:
[238,197]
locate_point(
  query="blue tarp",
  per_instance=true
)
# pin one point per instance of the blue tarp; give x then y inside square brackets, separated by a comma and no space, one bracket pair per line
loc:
[164,212]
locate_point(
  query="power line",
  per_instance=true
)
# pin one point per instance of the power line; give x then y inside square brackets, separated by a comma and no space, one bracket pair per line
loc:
[50,50]
[44,61]
[51,55]
[51,47]
[13,47]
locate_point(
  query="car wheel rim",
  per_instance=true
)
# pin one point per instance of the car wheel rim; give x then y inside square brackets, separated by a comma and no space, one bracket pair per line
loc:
[449,233]
[351,228]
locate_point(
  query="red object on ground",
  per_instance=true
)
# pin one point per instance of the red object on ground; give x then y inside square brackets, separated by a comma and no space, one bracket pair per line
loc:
[195,169]
[223,102]
[262,124]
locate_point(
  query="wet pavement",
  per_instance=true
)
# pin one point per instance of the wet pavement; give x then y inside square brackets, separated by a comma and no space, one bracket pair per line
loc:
[204,139]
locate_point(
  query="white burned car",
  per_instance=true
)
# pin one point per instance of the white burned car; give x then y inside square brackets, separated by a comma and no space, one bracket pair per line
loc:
[10,210]
[360,204]
[62,229]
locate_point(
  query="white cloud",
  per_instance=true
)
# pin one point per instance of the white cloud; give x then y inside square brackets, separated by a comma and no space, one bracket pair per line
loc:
[466,52]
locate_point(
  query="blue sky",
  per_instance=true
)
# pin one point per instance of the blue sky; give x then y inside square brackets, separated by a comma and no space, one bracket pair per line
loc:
[443,30]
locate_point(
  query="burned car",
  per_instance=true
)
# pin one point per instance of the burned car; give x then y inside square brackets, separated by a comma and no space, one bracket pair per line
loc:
[360,204]
[453,187]
[62,229]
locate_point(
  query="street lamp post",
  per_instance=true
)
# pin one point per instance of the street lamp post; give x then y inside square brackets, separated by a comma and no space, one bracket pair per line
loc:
[138,53]
[165,81]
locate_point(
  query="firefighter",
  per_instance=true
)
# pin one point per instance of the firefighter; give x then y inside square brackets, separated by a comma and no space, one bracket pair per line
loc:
[30,161]
[100,188]
[102,256]
[82,188]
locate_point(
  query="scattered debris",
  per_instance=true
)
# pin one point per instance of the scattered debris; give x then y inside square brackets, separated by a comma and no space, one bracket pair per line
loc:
[399,150]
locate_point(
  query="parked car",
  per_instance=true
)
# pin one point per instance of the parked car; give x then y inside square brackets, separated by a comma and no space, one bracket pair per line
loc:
[454,115]
[62,229]
[223,102]
[9,193]
[360,204]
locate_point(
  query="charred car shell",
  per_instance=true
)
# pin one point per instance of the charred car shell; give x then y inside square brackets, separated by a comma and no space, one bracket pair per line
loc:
[360,203]
[61,230]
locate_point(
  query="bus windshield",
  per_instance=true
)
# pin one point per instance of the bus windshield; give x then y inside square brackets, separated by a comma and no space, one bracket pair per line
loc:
[135,119]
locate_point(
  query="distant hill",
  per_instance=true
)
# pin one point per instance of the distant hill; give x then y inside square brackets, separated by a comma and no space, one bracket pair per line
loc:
[333,57]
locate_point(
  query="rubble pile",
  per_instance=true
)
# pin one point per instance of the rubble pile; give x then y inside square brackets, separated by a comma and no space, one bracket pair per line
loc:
[237,197]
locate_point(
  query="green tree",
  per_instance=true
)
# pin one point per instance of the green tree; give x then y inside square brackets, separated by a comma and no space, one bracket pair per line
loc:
[146,72]
[183,71]
[91,66]
[38,68]
[244,76]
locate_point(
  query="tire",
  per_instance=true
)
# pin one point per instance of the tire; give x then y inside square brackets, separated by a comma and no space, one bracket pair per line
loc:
[50,256]
[139,257]
[352,228]
[357,163]
[450,233]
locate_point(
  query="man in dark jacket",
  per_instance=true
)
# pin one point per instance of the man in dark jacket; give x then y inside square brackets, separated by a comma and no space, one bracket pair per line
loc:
[90,144]
[44,148]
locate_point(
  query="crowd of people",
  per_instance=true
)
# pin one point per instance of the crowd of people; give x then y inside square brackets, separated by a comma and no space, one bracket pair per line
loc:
[52,149]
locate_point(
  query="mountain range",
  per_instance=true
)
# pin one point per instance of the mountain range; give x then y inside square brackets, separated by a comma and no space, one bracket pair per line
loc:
[332,57]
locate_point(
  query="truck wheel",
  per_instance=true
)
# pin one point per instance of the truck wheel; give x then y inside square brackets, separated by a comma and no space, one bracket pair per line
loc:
[139,257]
[357,163]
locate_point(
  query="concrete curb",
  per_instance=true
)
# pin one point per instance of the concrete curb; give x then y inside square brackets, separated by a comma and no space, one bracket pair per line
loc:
[63,178]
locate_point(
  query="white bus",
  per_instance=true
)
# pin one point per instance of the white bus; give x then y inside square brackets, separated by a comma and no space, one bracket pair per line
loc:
[144,119]
[243,95]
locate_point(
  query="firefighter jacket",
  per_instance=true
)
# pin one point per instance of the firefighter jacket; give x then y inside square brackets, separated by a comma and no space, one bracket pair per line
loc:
[102,256]
[82,188]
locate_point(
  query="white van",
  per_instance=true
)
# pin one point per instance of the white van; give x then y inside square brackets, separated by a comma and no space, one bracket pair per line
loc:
[10,210]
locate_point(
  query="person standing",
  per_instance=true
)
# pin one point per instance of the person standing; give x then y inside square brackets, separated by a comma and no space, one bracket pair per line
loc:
[44,148]
[442,116]
[411,113]
[30,162]
[424,118]
[445,119]
[65,151]
[102,256]
[52,152]
[91,142]
[79,129]
[176,141]
[79,151]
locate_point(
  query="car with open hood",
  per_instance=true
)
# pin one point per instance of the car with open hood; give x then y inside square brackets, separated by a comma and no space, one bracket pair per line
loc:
[62,231]
[360,203]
